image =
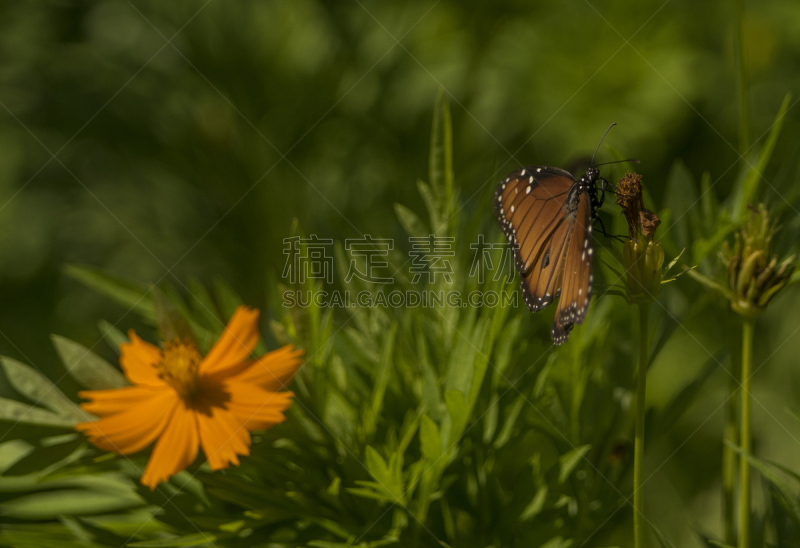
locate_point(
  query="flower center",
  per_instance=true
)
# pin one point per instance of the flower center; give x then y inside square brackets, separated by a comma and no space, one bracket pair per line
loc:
[178,367]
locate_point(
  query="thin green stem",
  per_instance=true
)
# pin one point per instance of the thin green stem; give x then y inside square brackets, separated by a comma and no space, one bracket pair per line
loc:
[731,435]
[638,444]
[741,80]
[745,435]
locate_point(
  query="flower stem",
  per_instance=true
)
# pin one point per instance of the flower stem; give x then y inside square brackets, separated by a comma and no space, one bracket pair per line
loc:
[741,81]
[731,436]
[746,442]
[638,444]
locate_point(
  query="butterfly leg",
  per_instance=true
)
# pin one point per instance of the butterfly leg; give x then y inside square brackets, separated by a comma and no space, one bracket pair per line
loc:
[605,186]
[618,237]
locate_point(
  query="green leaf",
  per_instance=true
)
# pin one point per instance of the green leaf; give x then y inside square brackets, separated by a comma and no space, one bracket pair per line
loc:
[719,544]
[543,375]
[196,539]
[440,163]
[410,222]
[113,336]
[509,422]
[46,456]
[388,481]
[73,502]
[536,505]
[130,294]
[340,416]
[40,535]
[482,340]
[462,365]
[490,419]
[12,451]
[749,187]
[505,348]
[570,460]
[711,284]
[329,525]
[381,381]
[429,439]
[457,413]
[326,544]
[237,490]
[557,542]
[86,367]
[14,411]
[38,388]
[433,207]
[408,429]
[673,261]
[431,392]
[787,495]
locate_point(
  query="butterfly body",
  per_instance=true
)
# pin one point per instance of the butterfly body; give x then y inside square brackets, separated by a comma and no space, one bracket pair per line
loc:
[546,215]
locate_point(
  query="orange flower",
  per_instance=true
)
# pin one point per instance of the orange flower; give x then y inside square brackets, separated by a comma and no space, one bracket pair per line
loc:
[181,400]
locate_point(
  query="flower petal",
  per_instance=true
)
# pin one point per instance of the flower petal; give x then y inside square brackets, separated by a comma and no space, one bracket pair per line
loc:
[236,343]
[176,449]
[117,400]
[256,408]
[132,430]
[273,371]
[222,437]
[138,360]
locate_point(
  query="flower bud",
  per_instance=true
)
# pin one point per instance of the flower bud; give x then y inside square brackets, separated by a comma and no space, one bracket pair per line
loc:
[643,261]
[754,274]
[643,257]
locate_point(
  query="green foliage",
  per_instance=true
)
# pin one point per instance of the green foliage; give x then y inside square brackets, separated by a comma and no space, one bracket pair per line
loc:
[703,229]
[422,426]
[89,369]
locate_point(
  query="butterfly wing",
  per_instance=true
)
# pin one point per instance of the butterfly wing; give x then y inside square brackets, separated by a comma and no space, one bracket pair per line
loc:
[529,204]
[577,284]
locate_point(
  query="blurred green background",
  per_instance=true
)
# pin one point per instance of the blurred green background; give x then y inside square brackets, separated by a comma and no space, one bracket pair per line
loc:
[162,140]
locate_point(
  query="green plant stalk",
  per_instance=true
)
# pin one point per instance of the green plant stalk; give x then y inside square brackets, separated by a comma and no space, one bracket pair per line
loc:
[741,81]
[638,444]
[745,435]
[731,435]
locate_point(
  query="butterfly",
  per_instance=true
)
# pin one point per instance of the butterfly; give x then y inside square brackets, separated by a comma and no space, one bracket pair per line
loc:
[547,215]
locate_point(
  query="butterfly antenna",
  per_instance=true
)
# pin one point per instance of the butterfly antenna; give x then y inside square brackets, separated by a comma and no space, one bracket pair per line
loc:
[632,160]
[601,141]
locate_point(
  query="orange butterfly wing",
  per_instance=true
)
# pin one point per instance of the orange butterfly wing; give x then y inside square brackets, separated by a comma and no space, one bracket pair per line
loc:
[552,245]
[578,278]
